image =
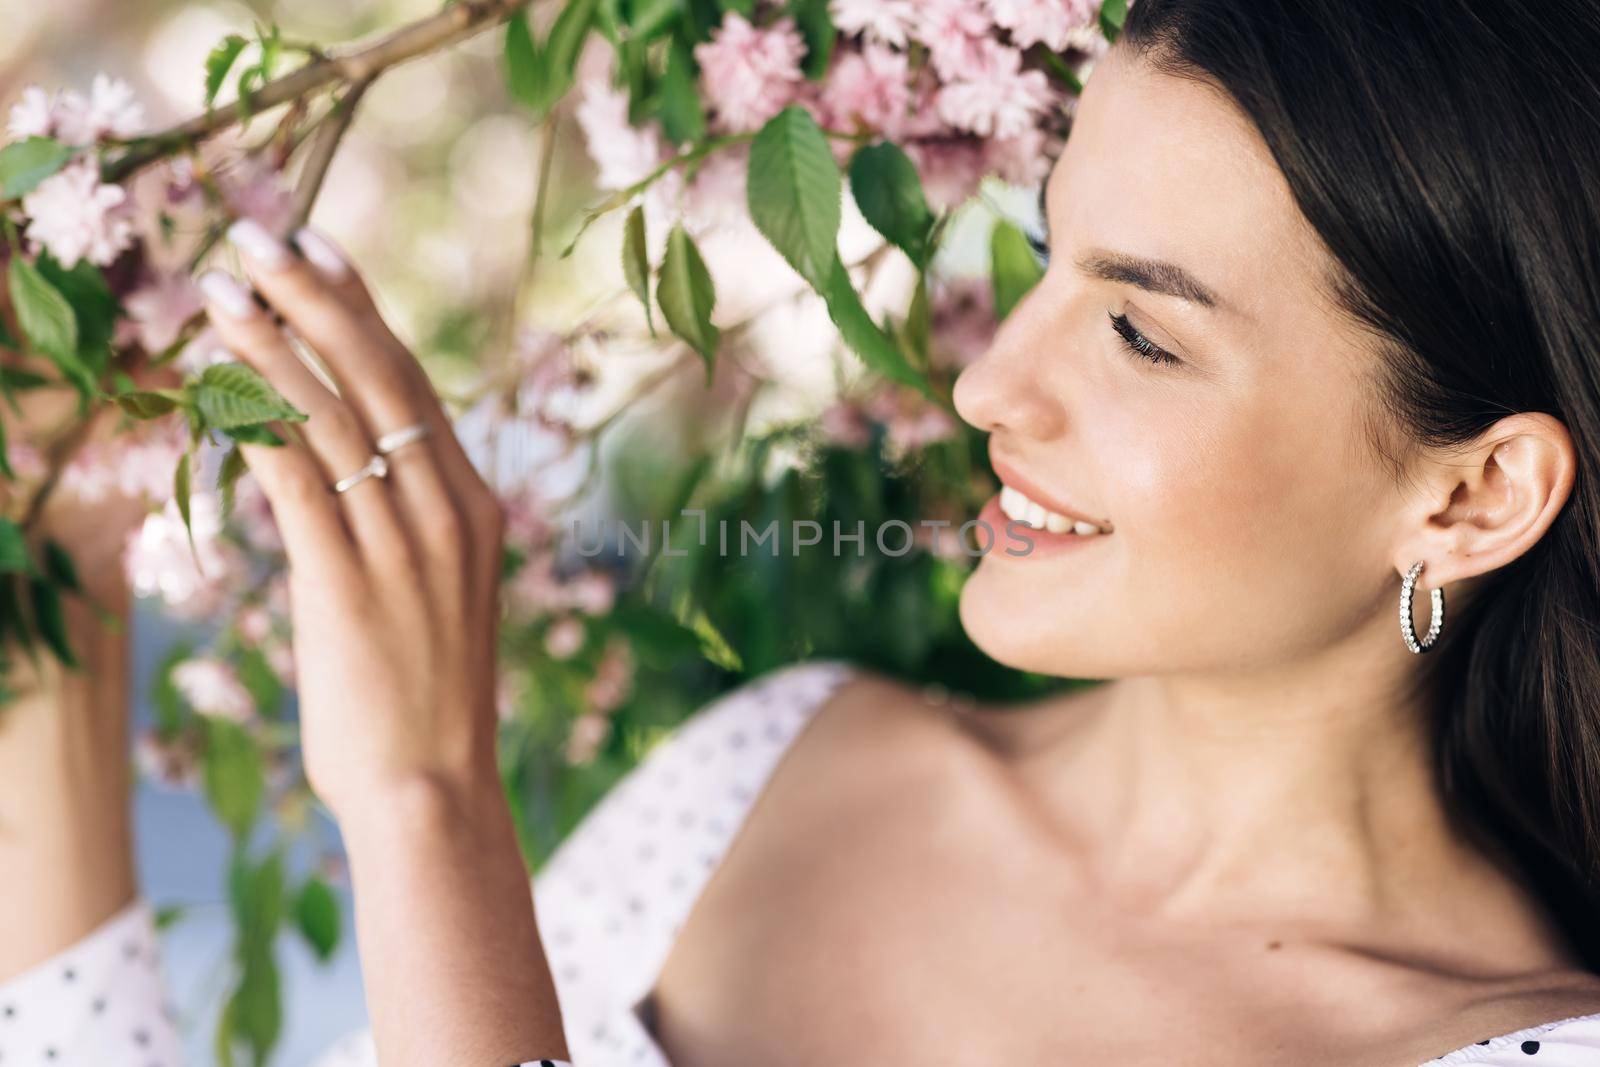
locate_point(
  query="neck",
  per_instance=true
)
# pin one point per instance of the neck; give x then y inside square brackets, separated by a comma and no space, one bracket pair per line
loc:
[1300,790]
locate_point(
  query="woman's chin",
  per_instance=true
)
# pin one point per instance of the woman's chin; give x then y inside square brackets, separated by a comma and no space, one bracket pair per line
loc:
[1013,623]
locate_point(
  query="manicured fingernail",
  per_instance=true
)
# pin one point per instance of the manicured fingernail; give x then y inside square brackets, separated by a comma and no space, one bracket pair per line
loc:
[257,242]
[224,290]
[321,253]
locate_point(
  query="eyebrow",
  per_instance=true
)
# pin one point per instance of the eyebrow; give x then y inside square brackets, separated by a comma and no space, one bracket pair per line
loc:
[1151,275]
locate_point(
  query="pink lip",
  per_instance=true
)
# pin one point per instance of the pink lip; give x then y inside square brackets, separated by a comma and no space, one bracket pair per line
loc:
[1009,475]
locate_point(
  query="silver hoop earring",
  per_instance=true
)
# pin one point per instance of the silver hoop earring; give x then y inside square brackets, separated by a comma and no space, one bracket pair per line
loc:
[1435,615]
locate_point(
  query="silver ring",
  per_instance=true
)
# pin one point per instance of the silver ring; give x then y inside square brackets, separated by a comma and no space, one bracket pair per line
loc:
[395,440]
[377,467]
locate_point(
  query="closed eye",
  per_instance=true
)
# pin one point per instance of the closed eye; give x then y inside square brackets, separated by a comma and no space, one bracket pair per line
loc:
[1041,248]
[1139,344]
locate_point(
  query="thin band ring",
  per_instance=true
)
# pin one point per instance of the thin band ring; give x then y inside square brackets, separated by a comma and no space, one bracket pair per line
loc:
[395,440]
[377,467]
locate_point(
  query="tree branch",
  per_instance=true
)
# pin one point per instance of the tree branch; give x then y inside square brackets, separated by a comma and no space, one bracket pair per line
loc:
[362,63]
[323,148]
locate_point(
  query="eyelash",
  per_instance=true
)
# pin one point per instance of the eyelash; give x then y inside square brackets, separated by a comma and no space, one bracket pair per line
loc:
[1132,339]
[1139,344]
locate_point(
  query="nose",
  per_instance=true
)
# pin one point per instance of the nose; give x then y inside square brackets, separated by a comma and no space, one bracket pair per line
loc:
[1007,388]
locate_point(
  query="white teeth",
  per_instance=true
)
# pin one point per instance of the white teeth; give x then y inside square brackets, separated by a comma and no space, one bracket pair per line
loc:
[1019,508]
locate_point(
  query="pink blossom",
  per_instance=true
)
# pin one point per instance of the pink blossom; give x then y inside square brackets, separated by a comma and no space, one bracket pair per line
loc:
[204,349]
[1021,160]
[955,32]
[871,87]
[844,425]
[750,74]
[110,110]
[911,421]
[717,195]
[963,321]
[158,560]
[1046,22]
[76,216]
[280,657]
[26,460]
[997,98]
[33,115]
[254,624]
[951,167]
[564,637]
[589,731]
[161,308]
[251,188]
[510,690]
[169,763]
[212,687]
[624,152]
[536,590]
[139,463]
[613,678]
[884,21]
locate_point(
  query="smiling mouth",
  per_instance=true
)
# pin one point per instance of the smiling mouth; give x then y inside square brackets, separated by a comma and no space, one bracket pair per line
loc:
[1018,507]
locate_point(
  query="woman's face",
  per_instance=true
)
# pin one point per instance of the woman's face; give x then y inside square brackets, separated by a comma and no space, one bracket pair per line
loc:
[1251,520]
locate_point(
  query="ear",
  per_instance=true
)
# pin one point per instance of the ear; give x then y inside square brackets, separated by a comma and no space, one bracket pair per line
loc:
[1485,504]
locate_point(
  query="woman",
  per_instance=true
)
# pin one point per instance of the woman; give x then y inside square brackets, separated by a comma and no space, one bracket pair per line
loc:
[1316,332]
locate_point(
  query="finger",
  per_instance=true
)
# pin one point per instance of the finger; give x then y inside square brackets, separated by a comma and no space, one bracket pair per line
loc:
[323,299]
[315,537]
[336,436]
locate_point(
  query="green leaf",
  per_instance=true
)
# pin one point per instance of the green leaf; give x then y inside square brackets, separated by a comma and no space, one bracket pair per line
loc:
[889,193]
[521,59]
[50,620]
[147,405]
[60,569]
[683,113]
[636,263]
[232,773]
[25,164]
[228,475]
[219,62]
[317,915]
[648,18]
[254,435]
[230,395]
[255,1011]
[541,84]
[1113,14]
[22,380]
[180,494]
[46,318]
[688,296]
[794,193]
[93,307]
[865,337]
[14,555]
[815,23]
[256,895]
[168,915]
[165,700]
[1015,269]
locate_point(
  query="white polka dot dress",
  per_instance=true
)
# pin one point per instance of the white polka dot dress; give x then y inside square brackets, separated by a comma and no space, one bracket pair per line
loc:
[102,1001]
[609,901]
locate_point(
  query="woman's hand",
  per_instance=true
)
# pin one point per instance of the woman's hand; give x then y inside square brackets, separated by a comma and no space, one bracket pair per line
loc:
[393,583]
[393,600]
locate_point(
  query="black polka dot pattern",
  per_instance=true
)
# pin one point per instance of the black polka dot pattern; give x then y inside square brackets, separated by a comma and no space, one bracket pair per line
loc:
[98,1002]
